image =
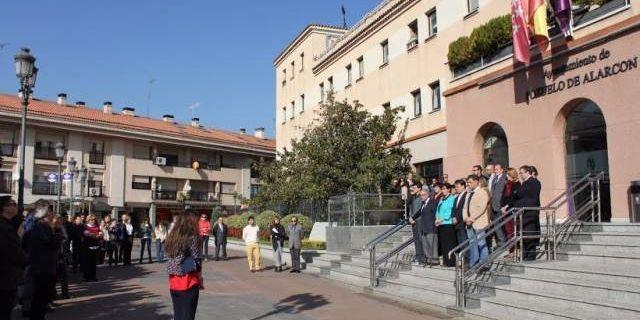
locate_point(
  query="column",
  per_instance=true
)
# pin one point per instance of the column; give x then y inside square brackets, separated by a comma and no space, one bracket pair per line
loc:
[152,214]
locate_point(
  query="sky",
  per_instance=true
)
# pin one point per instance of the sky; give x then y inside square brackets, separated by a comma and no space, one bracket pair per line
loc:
[164,56]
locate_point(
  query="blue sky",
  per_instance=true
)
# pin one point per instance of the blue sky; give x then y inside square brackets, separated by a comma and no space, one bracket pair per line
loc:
[218,54]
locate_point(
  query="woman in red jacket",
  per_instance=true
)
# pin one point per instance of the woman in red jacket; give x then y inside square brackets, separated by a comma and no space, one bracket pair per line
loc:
[184,267]
[204,228]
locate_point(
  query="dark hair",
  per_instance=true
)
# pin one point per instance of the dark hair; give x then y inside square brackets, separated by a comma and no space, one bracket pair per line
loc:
[526,169]
[534,170]
[183,234]
[4,201]
[418,185]
[477,167]
[439,185]
[473,177]
[250,218]
[447,186]
[461,182]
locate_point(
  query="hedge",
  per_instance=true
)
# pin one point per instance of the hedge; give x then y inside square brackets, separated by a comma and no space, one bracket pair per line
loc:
[264,219]
[303,220]
[484,41]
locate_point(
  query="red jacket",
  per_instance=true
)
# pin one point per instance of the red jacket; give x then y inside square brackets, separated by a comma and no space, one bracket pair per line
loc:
[205,227]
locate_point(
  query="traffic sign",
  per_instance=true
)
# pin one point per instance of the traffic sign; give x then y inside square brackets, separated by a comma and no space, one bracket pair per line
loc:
[52,177]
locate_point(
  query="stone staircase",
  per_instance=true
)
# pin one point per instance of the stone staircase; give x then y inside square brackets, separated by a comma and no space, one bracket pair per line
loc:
[596,276]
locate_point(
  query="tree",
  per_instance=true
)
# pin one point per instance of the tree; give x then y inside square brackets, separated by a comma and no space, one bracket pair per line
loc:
[345,149]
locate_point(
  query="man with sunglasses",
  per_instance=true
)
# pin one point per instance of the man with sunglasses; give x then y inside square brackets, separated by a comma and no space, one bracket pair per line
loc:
[295,233]
[13,258]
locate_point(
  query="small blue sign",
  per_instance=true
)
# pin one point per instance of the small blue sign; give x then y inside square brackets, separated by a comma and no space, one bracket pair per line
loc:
[52,177]
[67,176]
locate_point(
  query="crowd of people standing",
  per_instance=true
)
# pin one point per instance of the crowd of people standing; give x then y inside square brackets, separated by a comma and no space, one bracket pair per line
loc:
[444,215]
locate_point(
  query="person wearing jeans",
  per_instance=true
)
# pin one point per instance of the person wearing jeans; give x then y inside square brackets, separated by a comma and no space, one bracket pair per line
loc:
[250,237]
[161,235]
[476,218]
[146,233]
[204,227]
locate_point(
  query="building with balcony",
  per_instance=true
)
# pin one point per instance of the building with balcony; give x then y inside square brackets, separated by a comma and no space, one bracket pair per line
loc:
[128,163]
[483,111]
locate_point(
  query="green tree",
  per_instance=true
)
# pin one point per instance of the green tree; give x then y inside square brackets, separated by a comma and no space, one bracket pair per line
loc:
[344,149]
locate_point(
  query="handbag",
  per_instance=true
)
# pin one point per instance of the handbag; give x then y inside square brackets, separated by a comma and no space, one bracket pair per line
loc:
[188,264]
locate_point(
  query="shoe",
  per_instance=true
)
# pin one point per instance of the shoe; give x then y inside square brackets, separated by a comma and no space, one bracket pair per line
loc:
[217,259]
[252,271]
[297,271]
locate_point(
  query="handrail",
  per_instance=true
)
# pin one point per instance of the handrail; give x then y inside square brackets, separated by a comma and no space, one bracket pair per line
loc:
[371,246]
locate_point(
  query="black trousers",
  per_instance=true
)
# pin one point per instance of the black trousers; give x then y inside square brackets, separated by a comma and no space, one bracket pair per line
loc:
[447,240]
[530,227]
[90,262]
[125,251]
[144,242]
[204,246]
[112,252]
[295,259]
[417,241]
[219,247]
[7,301]
[42,288]
[185,303]
[61,278]
[75,254]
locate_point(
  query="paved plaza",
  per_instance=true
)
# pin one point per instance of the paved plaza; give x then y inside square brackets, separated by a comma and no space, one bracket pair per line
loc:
[141,291]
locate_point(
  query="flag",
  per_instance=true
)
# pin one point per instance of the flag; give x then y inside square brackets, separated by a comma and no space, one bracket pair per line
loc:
[564,16]
[538,23]
[520,29]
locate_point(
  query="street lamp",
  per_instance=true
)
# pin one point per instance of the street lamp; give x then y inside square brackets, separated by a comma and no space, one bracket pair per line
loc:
[59,148]
[26,72]
[71,167]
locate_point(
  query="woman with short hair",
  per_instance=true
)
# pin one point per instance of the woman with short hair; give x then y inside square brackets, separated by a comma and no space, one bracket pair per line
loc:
[278,235]
[91,245]
[184,267]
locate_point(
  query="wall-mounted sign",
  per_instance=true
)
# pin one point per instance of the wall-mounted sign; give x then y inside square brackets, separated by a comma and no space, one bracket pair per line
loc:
[67,176]
[618,67]
[52,177]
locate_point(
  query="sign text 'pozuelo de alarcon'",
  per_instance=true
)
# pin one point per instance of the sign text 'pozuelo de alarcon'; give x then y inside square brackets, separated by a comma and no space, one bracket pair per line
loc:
[612,69]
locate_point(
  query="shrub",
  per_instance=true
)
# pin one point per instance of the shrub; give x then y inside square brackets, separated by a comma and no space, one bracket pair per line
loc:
[235,221]
[460,53]
[484,41]
[303,220]
[264,219]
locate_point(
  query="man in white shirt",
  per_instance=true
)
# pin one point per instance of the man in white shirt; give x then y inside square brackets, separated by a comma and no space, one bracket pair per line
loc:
[250,237]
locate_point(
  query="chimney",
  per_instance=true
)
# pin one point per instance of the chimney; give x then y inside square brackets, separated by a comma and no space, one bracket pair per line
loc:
[259,133]
[107,107]
[62,98]
[167,118]
[195,122]
[80,104]
[243,131]
[129,111]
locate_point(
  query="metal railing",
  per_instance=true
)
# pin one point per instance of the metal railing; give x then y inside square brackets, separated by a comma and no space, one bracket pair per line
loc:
[550,238]
[371,246]
[365,209]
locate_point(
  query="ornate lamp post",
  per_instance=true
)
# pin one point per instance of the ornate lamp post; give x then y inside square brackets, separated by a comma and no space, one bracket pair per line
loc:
[71,167]
[59,148]
[26,72]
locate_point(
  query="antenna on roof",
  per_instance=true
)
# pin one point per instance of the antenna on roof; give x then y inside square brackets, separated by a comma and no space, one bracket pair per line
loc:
[193,107]
[149,84]
[344,17]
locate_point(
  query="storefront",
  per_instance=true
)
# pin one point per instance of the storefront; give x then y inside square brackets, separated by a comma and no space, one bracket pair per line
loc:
[576,112]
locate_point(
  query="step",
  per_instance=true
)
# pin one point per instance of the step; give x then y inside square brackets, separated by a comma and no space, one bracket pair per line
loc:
[623,293]
[420,293]
[628,251]
[615,274]
[573,306]
[610,227]
[607,238]
[350,277]
[600,260]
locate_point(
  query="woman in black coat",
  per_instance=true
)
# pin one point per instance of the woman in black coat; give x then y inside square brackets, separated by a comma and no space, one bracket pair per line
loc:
[278,235]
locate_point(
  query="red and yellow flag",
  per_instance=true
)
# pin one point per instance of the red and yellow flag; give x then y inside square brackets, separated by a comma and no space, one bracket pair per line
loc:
[529,20]
[538,23]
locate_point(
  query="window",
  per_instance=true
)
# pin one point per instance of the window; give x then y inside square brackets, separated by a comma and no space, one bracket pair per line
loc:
[95,181]
[293,109]
[7,142]
[433,22]
[293,69]
[284,114]
[5,182]
[141,183]
[40,184]
[360,67]
[330,81]
[417,103]
[172,159]
[302,61]
[472,5]
[322,92]
[46,146]
[142,152]
[284,76]
[435,95]
[227,188]
[228,161]
[301,103]
[348,74]
[495,148]
[413,35]
[96,153]
[385,51]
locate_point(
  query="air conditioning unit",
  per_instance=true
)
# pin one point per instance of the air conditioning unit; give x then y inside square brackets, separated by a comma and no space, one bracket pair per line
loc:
[160,161]
[95,192]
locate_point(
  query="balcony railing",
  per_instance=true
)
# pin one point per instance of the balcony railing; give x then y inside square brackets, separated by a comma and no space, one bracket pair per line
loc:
[201,196]
[44,188]
[7,149]
[5,186]
[96,157]
[166,195]
[46,153]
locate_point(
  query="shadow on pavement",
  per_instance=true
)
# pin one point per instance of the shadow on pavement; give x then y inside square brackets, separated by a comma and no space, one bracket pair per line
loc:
[296,304]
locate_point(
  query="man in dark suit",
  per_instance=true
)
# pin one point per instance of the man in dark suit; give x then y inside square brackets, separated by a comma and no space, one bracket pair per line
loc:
[416,225]
[427,214]
[459,225]
[220,231]
[528,195]
[496,184]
